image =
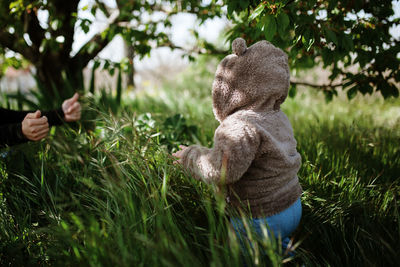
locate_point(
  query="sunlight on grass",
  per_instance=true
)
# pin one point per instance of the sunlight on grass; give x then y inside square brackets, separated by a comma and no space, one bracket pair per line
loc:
[108,193]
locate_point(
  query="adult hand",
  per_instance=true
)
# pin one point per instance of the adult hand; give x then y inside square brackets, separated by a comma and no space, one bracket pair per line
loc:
[179,154]
[72,109]
[35,127]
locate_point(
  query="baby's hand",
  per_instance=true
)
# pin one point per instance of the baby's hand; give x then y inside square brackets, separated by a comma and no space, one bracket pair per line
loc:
[179,155]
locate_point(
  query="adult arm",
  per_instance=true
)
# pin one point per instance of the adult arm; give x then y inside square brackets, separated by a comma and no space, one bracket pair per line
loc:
[15,127]
[11,132]
[8,116]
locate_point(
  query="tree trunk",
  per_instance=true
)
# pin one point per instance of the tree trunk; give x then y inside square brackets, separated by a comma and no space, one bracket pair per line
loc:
[58,79]
[130,54]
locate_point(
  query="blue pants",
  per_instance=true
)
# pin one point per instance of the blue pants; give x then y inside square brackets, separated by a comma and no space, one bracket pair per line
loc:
[282,225]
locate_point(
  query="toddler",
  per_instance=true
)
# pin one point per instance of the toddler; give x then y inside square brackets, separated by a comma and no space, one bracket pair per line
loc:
[254,147]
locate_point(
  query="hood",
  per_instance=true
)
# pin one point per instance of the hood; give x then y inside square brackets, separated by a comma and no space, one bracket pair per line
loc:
[254,78]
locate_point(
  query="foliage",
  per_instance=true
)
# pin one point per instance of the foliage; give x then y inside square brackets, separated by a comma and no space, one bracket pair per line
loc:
[350,38]
[43,31]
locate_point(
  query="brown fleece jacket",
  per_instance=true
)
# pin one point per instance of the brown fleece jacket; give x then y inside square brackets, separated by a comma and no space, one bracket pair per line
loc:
[254,151]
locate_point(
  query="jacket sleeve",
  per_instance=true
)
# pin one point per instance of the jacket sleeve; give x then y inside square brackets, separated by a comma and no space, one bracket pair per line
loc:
[11,134]
[8,116]
[11,125]
[54,117]
[234,150]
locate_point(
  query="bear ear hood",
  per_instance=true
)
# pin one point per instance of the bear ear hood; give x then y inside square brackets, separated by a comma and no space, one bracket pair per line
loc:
[254,78]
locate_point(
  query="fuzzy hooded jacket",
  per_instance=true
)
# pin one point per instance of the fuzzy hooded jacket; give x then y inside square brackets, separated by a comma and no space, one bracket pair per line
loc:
[254,151]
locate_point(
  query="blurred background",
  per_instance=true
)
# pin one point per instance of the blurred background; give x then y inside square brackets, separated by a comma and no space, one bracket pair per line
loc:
[104,191]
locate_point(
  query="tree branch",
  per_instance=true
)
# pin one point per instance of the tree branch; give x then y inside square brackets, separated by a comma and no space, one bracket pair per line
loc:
[64,10]
[33,28]
[196,49]
[97,43]
[289,2]
[91,49]
[103,8]
[177,10]
[323,87]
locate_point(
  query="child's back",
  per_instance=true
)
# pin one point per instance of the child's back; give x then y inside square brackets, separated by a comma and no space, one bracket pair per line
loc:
[270,183]
[254,145]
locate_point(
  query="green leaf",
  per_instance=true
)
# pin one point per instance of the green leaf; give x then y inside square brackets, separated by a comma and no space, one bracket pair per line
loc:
[295,41]
[366,89]
[387,90]
[397,76]
[347,43]
[352,92]
[256,12]
[107,64]
[283,23]
[292,91]
[328,96]
[308,43]
[306,36]
[16,7]
[395,90]
[244,4]
[331,36]
[283,20]
[260,24]
[96,64]
[308,39]
[269,28]
[111,71]
[231,8]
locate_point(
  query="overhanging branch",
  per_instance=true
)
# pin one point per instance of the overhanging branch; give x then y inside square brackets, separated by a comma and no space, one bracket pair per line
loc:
[103,8]
[97,43]
[91,49]
[323,87]
[194,50]
[33,28]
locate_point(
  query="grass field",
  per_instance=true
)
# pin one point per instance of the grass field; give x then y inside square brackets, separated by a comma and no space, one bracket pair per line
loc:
[110,195]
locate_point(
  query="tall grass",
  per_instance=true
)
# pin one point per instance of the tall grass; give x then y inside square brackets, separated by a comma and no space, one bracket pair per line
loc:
[111,195]
[350,173]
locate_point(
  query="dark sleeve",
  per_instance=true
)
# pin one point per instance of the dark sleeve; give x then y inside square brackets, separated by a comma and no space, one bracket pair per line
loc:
[11,134]
[54,117]
[11,124]
[8,116]
[11,127]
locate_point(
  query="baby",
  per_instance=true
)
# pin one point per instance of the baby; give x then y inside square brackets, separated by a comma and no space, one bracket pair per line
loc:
[254,151]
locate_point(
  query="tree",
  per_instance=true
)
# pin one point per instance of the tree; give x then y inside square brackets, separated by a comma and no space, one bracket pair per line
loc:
[334,33]
[42,31]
